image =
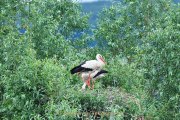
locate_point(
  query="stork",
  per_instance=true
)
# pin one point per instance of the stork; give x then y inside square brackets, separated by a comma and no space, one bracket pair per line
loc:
[89,67]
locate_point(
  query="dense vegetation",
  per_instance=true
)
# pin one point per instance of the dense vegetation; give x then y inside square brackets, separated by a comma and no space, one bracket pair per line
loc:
[140,41]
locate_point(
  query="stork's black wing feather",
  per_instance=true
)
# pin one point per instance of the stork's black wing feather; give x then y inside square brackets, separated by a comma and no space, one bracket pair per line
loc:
[100,72]
[79,68]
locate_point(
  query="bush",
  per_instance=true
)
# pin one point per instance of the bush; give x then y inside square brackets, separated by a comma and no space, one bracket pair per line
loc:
[30,87]
[161,61]
[124,75]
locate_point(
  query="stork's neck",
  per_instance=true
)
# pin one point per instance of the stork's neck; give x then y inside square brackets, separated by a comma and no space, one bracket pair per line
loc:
[100,60]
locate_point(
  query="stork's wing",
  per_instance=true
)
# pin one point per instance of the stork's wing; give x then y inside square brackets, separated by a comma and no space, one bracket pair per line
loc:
[100,73]
[92,64]
[80,68]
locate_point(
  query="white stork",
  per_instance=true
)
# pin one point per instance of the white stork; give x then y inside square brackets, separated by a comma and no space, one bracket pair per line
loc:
[89,67]
[94,75]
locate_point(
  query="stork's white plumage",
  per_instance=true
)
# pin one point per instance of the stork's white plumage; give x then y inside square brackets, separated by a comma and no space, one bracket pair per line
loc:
[89,67]
[94,75]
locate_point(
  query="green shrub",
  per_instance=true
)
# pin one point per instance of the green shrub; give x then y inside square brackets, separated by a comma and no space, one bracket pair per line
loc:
[161,61]
[28,91]
[124,75]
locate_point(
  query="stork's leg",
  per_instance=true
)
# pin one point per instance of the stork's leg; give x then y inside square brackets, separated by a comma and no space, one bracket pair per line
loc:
[84,86]
[93,84]
[88,81]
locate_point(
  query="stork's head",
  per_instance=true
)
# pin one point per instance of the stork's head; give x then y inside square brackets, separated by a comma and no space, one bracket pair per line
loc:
[100,58]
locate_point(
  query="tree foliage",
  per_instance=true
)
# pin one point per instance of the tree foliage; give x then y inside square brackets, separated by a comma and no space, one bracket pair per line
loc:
[148,32]
[161,60]
[123,26]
